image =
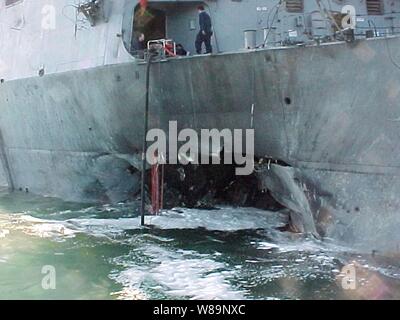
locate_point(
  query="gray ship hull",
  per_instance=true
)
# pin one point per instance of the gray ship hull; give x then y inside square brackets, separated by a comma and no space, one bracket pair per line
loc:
[331,112]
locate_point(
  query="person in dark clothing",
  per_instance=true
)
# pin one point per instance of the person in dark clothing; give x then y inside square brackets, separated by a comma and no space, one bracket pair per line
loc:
[139,45]
[205,32]
[180,50]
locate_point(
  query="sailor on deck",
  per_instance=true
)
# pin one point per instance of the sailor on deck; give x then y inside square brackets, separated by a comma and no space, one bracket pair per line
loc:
[139,45]
[205,32]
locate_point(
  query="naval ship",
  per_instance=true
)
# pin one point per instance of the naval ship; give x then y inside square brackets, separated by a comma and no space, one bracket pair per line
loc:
[323,99]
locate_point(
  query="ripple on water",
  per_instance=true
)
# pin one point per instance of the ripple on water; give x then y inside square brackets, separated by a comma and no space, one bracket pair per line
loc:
[179,275]
[216,254]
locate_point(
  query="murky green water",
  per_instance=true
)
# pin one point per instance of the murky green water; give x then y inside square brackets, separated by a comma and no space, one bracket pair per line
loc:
[102,253]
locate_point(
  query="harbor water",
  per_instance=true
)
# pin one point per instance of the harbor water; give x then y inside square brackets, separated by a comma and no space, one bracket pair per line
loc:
[101,252]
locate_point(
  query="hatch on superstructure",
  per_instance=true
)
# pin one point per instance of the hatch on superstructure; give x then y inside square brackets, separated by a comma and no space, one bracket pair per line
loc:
[173,20]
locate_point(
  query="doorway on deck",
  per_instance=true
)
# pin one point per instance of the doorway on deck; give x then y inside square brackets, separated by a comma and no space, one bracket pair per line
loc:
[151,22]
[177,21]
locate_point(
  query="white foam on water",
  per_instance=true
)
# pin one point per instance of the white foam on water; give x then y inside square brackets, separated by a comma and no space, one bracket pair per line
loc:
[181,275]
[228,219]
[49,230]
[301,259]
[285,245]
[221,220]
[42,228]
[267,246]
[30,219]
[199,279]
[129,294]
[103,227]
[4,233]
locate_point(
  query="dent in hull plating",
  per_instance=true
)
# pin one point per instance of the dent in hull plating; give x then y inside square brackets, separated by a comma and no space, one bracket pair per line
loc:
[329,111]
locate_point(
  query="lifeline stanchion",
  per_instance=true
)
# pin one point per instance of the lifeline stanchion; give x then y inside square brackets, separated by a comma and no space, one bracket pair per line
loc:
[162,187]
[155,186]
[146,126]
